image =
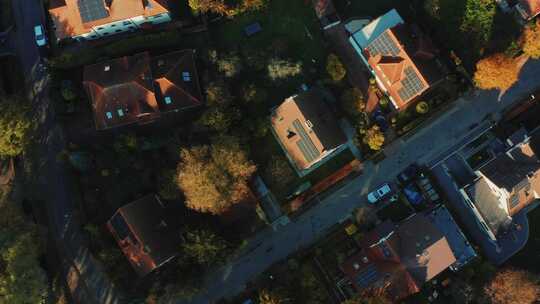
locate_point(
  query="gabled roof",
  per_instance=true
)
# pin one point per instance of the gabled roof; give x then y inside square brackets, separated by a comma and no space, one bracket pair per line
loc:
[400,259]
[124,91]
[77,17]
[401,57]
[176,77]
[529,8]
[306,128]
[148,232]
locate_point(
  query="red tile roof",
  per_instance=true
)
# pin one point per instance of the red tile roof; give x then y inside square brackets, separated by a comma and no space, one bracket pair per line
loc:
[399,259]
[124,91]
[531,8]
[69,23]
[395,58]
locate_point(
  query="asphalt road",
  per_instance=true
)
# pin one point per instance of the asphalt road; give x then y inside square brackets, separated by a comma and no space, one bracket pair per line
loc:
[83,275]
[431,143]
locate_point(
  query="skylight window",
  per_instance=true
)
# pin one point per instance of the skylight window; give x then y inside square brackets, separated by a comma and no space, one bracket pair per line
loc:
[107,68]
[186,76]
[120,112]
[168,100]
[109,115]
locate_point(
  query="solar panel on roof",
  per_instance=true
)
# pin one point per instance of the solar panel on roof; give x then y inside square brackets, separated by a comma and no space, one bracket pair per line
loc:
[305,144]
[91,10]
[383,45]
[367,277]
[411,84]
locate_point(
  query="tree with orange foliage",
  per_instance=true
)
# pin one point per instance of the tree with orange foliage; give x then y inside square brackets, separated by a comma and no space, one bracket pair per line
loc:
[510,286]
[531,40]
[496,72]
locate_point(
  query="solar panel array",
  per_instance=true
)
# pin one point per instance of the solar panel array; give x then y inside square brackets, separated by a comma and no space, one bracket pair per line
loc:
[383,45]
[305,144]
[411,84]
[92,10]
[367,277]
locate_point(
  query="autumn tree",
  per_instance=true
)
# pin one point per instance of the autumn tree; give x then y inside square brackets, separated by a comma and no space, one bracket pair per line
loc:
[496,72]
[220,118]
[268,297]
[531,40]
[374,138]
[511,286]
[204,247]
[335,68]
[214,177]
[15,126]
[208,6]
[279,173]
[229,65]
[218,92]
[352,101]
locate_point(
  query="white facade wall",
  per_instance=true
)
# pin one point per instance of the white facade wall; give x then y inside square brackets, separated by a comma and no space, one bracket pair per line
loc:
[122,26]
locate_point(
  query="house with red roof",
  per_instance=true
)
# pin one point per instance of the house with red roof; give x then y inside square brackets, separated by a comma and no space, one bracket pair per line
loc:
[398,260]
[139,89]
[400,57]
[528,9]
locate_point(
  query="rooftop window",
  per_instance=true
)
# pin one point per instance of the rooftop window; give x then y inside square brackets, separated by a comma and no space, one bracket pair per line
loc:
[186,76]
[120,112]
[109,115]
[168,100]
[107,68]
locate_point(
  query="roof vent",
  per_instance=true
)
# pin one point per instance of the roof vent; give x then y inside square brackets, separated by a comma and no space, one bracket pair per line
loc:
[356,266]
[290,134]
[309,124]
[168,100]
[107,68]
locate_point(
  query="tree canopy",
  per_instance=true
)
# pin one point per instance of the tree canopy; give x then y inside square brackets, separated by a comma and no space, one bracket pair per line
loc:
[335,68]
[352,101]
[204,247]
[214,177]
[22,280]
[531,40]
[496,72]
[374,138]
[15,126]
[511,286]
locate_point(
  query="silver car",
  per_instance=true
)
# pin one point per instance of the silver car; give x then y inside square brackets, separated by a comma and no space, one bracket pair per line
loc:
[39,34]
[377,194]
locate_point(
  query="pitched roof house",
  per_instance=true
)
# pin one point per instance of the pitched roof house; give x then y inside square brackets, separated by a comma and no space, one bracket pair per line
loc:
[138,88]
[400,57]
[148,232]
[306,129]
[92,19]
[505,186]
[528,9]
[399,260]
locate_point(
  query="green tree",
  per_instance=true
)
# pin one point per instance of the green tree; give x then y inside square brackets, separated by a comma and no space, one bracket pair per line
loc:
[15,126]
[204,247]
[478,20]
[268,297]
[335,68]
[279,69]
[213,178]
[68,93]
[422,107]
[220,118]
[167,187]
[496,72]
[218,92]
[352,101]
[374,138]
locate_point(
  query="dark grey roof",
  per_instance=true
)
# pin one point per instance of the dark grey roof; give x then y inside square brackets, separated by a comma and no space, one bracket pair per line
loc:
[488,205]
[92,10]
[305,144]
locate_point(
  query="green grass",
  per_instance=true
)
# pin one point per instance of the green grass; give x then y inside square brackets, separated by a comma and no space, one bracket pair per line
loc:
[292,23]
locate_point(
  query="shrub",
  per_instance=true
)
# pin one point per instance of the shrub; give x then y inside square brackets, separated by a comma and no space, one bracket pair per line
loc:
[531,40]
[511,286]
[352,101]
[422,107]
[335,68]
[279,69]
[15,126]
[374,138]
[230,66]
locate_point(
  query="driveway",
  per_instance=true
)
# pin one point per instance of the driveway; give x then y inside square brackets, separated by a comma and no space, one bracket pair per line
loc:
[433,142]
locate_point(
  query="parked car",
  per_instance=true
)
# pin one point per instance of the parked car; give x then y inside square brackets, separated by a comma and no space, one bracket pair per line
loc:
[379,193]
[410,173]
[39,34]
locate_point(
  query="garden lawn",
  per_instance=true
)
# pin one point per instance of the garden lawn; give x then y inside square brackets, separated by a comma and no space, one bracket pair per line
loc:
[283,21]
